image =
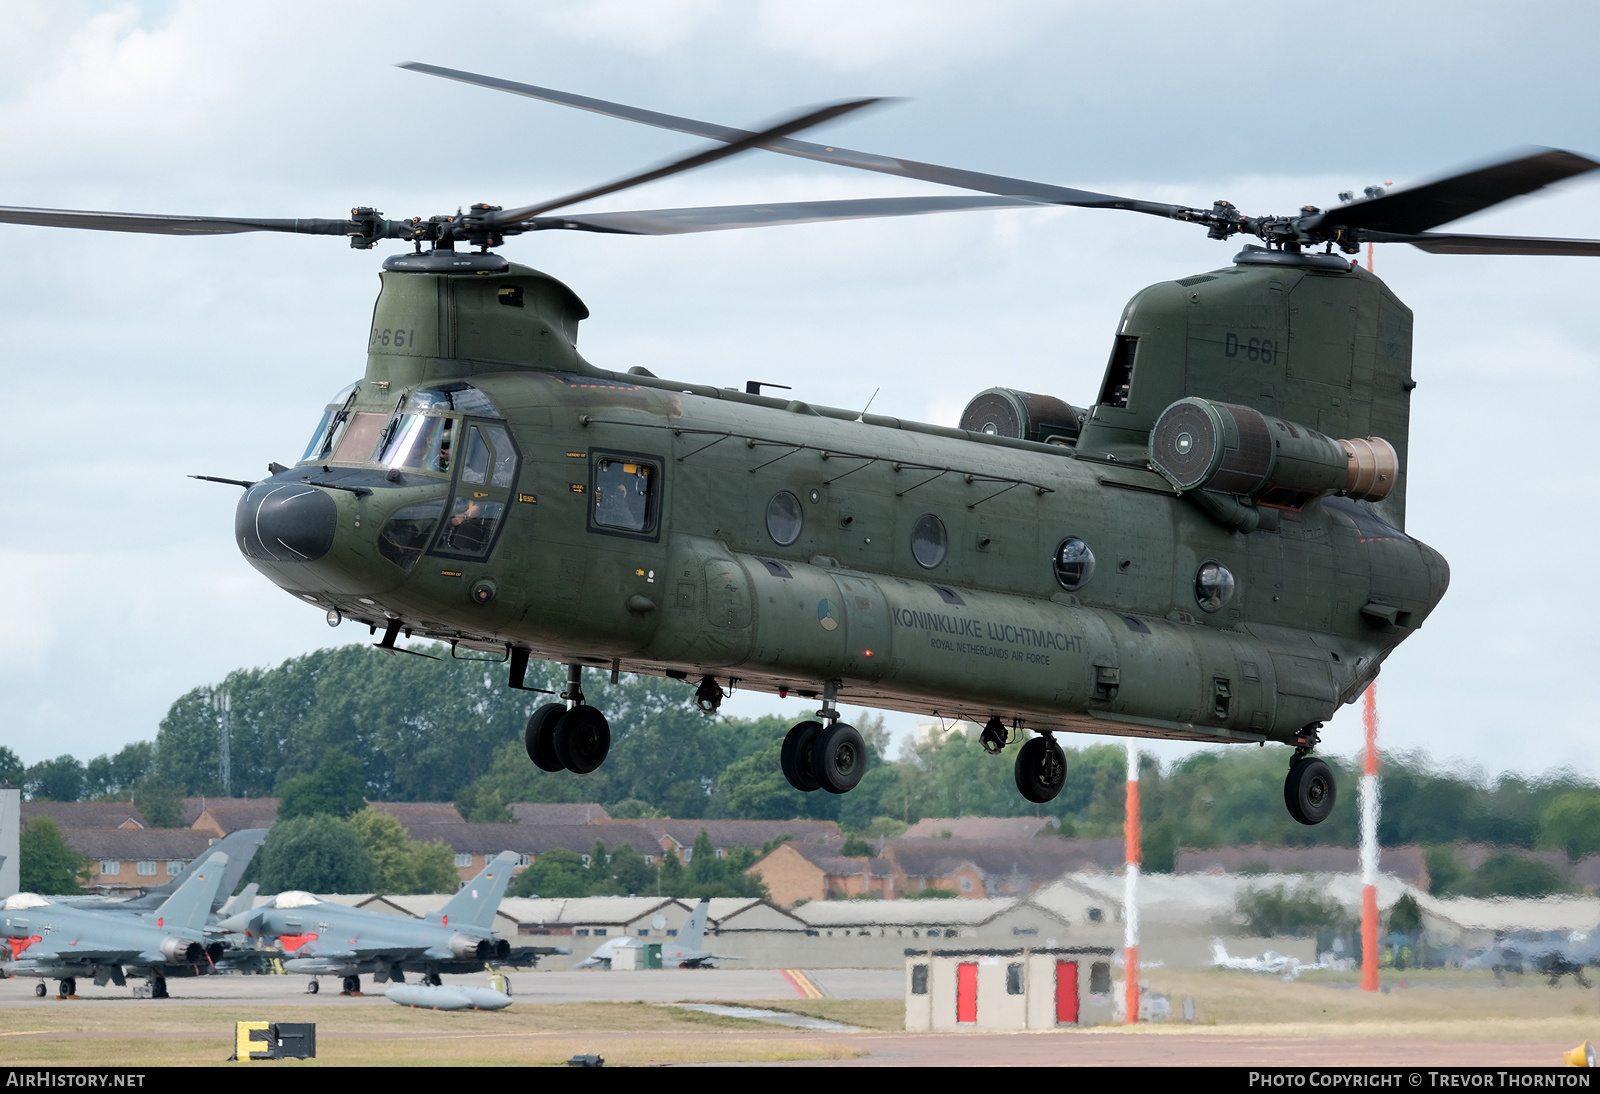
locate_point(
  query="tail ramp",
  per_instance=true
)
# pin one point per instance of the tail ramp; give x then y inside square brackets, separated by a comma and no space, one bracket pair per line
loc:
[691,936]
[188,908]
[479,898]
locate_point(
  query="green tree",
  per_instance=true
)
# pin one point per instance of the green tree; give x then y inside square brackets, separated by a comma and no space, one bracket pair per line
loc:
[557,872]
[401,864]
[159,801]
[333,789]
[754,788]
[57,780]
[1512,875]
[320,854]
[11,769]
[480,803]
[1405,916]
[47,863]
[112,778]
[1278,910]
[1572,823]
[631,873]
[856,847]
[1444,870]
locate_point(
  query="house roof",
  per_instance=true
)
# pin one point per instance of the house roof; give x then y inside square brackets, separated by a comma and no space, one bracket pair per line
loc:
[232,814]
[567,911]
[1190,897]
[137,843]
[1551,913]
[830,862]
[85,814]
[408,813]
[739,833]
[1404,862]
[902,913]
[558,813]
[983,828]
[534,839]
[1033,858]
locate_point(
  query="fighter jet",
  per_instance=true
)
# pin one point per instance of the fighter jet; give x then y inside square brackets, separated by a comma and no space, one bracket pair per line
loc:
[56,941]
[333,940]
[684,951]
[1550,953]
[240,847]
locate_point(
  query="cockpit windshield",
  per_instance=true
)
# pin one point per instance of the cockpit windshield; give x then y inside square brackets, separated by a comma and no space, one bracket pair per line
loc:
[332,423]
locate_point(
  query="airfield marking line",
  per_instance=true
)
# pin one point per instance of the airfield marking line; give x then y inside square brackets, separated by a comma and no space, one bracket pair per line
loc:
[802,984]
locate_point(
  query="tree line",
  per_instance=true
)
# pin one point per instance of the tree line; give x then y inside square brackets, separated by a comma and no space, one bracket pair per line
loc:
[353,721]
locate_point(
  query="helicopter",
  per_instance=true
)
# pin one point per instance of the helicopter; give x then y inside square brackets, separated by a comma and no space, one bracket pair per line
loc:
[1211,550]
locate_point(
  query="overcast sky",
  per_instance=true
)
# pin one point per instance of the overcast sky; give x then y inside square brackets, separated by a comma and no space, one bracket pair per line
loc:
[133,361]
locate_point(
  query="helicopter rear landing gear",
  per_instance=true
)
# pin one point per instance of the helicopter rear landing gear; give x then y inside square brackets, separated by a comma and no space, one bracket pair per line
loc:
[1309,790]
[1041,769]
[827,754]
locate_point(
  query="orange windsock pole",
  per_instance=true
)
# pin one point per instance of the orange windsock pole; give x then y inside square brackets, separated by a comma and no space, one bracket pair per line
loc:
[1369,843]
[1130,892]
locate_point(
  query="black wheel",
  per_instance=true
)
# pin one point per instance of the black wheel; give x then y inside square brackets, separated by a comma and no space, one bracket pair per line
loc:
[313,987]
[582,739]
[839,758]
[1041,769]
[352,985]
[158,987]
[796,757]
[40,990]
[1309,791]
[540,736]
[69,987]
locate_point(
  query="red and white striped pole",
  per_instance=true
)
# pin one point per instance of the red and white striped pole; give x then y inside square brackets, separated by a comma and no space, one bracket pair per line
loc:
[1130,892]
[1369,844]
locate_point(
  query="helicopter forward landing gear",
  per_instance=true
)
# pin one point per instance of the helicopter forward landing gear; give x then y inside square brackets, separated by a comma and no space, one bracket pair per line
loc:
[796,757]
[1309,790]
[1041,769]
[572,738]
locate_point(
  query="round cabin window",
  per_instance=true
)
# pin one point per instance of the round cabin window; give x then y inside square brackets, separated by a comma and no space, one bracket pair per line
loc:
[1213,586]
[785,518]
[1074,564]
[929,542]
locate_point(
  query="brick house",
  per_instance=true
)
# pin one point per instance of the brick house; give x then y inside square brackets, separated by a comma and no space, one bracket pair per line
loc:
[131,858]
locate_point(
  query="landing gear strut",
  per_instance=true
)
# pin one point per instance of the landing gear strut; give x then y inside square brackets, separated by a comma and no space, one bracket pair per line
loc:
[1041,769]
[568,736]
[824,755]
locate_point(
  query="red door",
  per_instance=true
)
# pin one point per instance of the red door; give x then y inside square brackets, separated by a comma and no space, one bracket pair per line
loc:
[967,992]
[1067,992]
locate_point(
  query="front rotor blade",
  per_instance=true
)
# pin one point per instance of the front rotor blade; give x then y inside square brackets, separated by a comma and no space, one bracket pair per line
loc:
[716,218]
[156,224]
[1441,243]
[1422,207]
[699,159]
[845,157]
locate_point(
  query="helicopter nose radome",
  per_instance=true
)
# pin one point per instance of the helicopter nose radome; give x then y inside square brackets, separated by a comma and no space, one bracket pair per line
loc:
[285,522]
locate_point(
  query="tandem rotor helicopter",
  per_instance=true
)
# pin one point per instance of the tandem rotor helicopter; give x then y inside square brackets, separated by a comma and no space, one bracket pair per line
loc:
[1213,549]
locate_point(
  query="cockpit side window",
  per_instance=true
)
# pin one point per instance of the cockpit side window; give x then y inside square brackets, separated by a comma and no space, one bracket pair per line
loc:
[477,507]
[417,442]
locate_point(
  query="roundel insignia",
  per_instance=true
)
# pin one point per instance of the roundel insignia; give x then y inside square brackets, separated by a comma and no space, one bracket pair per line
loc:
[826,615]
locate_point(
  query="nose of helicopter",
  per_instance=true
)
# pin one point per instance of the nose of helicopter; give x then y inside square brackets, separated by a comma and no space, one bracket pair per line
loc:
[285,522]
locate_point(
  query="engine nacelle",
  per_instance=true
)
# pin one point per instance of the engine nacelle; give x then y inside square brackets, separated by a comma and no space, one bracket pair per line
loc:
[1005,412]
[182,951]
[465,947]
[1202,444]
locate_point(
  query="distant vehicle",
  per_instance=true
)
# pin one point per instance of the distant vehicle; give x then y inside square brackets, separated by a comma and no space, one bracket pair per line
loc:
[1271,961]
[240,847]
[684,951]
[1549,953]
[333,940]
[58,941]
[606,952]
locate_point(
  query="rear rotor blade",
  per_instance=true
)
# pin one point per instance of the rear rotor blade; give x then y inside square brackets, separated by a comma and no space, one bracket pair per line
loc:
[1422,207]
[658,222]
[156,224]
[866,161]
[699,159]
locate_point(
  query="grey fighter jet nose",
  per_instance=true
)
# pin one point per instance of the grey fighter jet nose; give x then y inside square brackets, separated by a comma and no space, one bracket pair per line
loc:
[285,522]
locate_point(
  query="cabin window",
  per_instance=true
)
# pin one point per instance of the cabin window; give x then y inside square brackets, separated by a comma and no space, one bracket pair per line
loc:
[406,534]
[1074,564]
[919,980]
[1014,978]
[929,541]
[1213,586]
[785,518]
[626,493]
[1100,978]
